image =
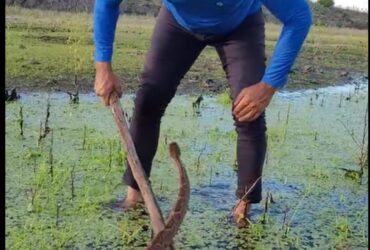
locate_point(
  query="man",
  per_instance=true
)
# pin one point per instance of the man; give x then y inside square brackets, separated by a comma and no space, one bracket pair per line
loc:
[183,28]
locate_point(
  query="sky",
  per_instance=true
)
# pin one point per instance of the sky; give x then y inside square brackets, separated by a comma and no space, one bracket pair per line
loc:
[350,4]
[361,4]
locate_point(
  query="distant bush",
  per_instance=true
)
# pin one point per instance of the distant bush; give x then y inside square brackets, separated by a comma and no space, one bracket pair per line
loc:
[326,3]
[323,11]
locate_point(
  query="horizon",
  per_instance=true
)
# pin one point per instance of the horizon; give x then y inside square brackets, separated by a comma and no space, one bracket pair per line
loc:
[358,5]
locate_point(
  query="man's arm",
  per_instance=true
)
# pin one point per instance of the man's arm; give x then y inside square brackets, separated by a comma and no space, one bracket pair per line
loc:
[106,14]
[296,18]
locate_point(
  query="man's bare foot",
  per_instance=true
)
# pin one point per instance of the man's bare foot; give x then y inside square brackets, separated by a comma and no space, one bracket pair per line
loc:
[241,213]
[132,200]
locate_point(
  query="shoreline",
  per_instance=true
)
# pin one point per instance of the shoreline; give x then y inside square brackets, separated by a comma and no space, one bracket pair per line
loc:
[86,86]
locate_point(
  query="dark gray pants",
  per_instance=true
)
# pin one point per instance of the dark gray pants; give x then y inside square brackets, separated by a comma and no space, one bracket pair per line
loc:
[173,51]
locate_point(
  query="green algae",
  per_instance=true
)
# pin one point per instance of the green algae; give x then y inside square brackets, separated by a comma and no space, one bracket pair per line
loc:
[307,147]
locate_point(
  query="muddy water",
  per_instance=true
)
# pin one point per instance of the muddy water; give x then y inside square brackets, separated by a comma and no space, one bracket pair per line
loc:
[311,135]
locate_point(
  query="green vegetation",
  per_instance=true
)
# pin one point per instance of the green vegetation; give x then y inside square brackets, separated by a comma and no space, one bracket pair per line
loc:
[63,174]
[45,49]
[334,17]
[57,190]
[326,3]
[225,98]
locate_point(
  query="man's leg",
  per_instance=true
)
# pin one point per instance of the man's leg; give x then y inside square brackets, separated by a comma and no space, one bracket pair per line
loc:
[242,53]
[170,56]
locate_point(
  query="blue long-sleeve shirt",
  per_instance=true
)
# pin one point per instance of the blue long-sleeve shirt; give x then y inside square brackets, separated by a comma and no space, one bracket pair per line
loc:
[215,17]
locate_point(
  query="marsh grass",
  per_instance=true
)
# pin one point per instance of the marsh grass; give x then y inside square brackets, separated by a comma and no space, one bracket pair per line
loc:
[46,48]
[21,122]
[303,173]
[224,98]
[362,149]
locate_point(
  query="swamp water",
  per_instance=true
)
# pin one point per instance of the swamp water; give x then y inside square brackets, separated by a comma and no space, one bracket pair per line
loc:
[55,190]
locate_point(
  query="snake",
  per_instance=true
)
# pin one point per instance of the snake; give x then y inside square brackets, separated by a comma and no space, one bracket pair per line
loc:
[164,239]
[164,232]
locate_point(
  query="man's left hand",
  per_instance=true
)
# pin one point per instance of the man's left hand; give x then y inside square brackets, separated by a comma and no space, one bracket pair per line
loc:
[252,101]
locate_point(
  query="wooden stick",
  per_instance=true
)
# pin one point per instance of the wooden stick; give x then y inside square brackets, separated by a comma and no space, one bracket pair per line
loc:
[155,214]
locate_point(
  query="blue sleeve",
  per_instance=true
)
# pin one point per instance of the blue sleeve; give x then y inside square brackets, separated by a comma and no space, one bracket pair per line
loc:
[296,18]
[106,14]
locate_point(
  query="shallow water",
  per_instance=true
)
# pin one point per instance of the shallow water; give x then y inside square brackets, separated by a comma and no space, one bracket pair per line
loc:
[324,209]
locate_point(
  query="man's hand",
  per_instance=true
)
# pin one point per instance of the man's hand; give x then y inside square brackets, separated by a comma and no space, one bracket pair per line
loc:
[252,101]
[106,82]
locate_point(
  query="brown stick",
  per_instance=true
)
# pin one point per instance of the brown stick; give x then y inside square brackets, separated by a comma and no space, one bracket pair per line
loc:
[155,214]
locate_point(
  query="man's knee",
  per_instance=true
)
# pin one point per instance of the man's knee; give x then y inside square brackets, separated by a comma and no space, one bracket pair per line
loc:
[253,130]
[152,99]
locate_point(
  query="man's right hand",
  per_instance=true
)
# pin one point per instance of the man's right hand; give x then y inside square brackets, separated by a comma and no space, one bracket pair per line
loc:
[106,82]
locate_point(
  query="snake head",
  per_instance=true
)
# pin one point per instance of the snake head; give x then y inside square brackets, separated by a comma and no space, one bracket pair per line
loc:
[174,150]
